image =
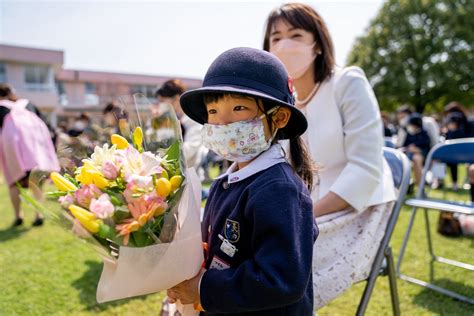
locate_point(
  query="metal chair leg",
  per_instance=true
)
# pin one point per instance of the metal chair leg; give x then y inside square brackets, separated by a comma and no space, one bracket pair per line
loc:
[392,279]
[405,239]
[428,235]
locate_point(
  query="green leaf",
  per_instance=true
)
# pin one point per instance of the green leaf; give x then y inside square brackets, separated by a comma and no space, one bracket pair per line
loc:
[120,214]
[55,195]
[173,152]
[105,231]
[141,239]
[72,180]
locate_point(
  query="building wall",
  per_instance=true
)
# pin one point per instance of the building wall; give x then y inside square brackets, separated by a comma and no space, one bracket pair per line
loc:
[66,95]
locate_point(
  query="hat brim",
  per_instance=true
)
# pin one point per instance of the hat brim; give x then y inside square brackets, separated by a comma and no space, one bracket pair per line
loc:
[192,103]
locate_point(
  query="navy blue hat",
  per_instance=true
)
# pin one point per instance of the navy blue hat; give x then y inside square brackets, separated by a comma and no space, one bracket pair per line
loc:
[251,72]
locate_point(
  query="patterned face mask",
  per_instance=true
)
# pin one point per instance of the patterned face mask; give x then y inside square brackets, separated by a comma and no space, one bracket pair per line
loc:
[238,141]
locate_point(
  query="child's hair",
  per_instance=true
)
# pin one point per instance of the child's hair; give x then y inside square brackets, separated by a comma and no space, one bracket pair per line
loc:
[299,156]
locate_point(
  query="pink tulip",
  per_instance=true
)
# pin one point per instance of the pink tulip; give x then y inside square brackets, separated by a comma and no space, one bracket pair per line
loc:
[85,194]
[110,170]
[66,201]
[102,207]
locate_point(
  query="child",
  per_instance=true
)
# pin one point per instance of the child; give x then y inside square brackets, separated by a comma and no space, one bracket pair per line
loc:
[258,222]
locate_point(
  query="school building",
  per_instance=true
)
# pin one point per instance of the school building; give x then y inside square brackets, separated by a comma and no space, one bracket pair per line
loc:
[62,94]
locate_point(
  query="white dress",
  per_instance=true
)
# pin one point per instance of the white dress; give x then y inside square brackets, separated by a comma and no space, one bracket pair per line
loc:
[345,141]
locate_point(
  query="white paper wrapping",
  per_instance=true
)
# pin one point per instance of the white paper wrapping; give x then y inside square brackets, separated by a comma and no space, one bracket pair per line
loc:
[151,269]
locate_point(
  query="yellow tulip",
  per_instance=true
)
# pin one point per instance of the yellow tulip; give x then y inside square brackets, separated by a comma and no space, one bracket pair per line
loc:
[87,219]
[99,180]
[123,127]
[160,210]
[119,141]
[176,182]
[163,187]
[83,176]
[138,138]
[62,183]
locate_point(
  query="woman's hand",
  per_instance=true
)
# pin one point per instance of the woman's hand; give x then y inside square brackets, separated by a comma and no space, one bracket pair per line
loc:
[187,291]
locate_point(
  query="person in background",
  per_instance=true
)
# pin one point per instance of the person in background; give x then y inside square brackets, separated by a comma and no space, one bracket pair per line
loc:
[388,128]
[456,107]
[467,126]
[116,122]
[417,144]
[429,125]
[26,149]
[194,151]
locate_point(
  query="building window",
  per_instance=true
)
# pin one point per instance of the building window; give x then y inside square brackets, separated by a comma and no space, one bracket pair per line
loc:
[38,77]
[63,100]
[147,90]
[3,73]
[90,88]
[91,98]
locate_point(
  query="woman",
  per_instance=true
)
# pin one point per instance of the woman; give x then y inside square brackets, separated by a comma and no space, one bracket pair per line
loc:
[25,149]
[355,192]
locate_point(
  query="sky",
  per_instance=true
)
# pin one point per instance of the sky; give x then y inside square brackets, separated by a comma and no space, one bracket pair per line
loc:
[167,38]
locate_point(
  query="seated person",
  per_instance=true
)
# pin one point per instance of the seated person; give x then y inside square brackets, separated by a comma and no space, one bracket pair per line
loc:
[417,144]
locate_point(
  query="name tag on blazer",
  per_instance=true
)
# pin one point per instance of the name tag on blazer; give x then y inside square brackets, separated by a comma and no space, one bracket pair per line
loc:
[219,264]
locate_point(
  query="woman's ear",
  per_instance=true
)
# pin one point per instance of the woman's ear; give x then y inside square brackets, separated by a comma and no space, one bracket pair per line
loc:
[281,117]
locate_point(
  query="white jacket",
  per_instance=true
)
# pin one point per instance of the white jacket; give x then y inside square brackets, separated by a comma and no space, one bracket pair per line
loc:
[345,140]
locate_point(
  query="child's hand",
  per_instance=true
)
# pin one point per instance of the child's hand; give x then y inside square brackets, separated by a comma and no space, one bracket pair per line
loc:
[187,291]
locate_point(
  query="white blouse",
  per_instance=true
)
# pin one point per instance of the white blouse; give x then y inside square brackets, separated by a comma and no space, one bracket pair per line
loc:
[345,141]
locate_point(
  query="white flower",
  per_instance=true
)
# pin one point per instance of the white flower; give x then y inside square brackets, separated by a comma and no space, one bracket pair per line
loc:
[101,155]
[140,164]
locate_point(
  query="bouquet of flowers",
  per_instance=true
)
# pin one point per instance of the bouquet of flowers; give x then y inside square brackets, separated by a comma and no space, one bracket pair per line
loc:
[141,209]
[122,193]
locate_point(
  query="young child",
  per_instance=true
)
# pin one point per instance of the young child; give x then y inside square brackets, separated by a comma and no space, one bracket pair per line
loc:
[258,222]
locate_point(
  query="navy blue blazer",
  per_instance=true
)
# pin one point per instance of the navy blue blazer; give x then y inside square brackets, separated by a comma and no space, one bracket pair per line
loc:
[267,227]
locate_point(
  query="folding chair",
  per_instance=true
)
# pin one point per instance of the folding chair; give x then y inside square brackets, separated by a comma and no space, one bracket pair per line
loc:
[455,151]
[383,262]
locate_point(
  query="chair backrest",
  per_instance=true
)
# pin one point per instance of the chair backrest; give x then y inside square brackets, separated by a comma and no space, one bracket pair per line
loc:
[460,150]
[401,170]
[389,142]
[454,151]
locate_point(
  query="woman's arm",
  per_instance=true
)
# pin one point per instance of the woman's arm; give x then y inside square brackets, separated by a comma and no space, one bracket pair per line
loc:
[329,203]
[363,141]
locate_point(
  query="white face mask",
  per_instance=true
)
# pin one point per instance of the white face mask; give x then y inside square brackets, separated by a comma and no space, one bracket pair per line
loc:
[239,141]
[412,130]
[296,56]
[404,121]
[79,126]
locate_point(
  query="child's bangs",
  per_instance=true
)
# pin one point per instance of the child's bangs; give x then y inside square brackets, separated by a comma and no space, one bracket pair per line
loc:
[216,96]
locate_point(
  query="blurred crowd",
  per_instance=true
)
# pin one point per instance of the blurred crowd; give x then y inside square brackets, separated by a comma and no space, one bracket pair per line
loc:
[415,134]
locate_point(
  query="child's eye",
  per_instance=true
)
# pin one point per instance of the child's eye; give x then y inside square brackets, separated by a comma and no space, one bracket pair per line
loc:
[296,36]
[211,111]
[275,40]
[239,108]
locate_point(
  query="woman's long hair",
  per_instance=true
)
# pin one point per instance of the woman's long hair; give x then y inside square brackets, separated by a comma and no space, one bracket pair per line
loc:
[304,17]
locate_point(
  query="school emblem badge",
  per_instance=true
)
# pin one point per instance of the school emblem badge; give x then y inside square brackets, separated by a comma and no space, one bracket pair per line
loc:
[232,231]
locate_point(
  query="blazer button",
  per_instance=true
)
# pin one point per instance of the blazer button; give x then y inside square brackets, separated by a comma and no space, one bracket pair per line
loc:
[225,185]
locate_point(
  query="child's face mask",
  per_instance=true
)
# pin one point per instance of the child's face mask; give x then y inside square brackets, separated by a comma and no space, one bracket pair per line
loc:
[239,141]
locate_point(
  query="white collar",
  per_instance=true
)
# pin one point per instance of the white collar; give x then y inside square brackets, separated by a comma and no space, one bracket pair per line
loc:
[265,160]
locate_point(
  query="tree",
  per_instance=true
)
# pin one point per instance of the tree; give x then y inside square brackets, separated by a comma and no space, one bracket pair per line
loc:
[419,52]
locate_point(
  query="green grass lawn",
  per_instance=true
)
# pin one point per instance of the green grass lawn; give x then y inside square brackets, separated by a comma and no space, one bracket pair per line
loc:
[47,271]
